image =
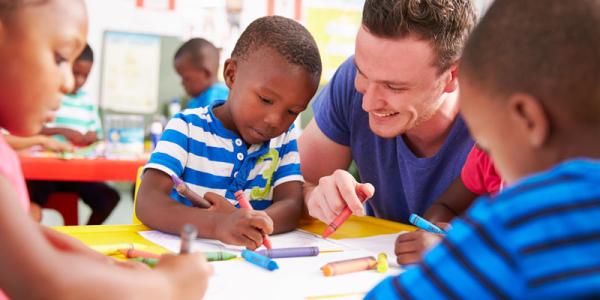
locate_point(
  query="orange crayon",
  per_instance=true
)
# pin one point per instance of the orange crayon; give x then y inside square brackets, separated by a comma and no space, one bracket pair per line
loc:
[349,266]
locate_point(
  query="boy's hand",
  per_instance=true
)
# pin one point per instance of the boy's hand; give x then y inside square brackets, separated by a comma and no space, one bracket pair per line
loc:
[54,145]
[219,203]
[410,247]
[187,274]
[89,138]
[244,227]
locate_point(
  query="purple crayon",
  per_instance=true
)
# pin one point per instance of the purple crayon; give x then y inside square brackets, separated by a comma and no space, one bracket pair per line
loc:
[183,190]
[290,252]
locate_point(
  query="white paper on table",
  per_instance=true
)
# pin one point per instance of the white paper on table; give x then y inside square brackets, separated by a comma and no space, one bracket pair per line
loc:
[297,238]
[375,244]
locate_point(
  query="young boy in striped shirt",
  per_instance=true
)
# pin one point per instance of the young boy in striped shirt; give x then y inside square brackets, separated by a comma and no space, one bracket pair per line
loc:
[77,122]
[247,143]
[530,77]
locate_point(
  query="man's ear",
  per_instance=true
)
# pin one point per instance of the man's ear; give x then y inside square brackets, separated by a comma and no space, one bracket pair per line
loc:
[229,72]
[530,118]
[452,81]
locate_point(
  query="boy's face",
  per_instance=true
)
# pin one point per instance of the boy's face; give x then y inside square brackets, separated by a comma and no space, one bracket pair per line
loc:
[401,86]
[81,71]
[266,94]
[194,80]
[496,131]
[37,48]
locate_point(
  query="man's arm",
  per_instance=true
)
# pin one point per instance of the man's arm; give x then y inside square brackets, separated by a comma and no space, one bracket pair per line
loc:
[328,188]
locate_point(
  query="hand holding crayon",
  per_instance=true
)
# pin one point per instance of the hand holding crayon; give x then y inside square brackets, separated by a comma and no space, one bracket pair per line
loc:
[342,217]
[239,196]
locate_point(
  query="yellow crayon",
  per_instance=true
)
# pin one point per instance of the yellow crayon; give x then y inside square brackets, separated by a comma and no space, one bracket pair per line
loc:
[382,263]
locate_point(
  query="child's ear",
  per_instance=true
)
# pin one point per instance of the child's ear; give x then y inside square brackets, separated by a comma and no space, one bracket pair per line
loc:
[530,117]
[229,72]
[452,81]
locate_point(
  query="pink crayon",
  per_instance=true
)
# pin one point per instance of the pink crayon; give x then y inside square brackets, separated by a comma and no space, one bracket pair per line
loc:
[239,196]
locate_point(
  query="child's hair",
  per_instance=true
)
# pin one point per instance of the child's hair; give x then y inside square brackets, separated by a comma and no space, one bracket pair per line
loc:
[444,23]
[87,54]
[202,53]
[549,49]
[290,39]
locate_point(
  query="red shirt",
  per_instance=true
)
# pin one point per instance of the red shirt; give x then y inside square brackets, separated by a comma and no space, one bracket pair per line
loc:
[479,174]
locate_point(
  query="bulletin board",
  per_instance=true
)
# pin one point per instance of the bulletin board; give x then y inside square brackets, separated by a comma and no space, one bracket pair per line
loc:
[130,72]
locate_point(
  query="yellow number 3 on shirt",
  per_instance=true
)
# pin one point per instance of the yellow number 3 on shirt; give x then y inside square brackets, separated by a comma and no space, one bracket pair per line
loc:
[258,193]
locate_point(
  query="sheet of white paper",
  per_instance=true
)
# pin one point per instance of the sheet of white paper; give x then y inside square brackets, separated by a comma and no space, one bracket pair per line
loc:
[295,238]
[375,244]
[296,278]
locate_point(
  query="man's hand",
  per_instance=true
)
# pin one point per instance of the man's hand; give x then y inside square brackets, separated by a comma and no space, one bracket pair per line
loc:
[333,193]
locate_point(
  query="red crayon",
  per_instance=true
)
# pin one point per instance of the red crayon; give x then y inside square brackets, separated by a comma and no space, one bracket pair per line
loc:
[134,253]
[342,217]
[239,196]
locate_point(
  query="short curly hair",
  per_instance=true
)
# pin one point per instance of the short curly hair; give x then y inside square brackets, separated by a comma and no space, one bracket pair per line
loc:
[445,23]
[286,36]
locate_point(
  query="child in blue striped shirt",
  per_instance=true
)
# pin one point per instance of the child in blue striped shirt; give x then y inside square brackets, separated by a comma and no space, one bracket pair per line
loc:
[530,78]
[246,143]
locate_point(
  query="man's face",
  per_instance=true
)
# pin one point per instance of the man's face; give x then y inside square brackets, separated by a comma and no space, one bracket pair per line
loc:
[401,86]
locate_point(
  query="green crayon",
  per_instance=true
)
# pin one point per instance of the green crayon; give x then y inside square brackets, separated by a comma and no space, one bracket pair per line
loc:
[151,262]
[218,256]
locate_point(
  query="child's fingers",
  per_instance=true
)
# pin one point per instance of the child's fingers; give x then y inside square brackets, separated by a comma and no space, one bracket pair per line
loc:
[408,259]
[406,247]
[261,221]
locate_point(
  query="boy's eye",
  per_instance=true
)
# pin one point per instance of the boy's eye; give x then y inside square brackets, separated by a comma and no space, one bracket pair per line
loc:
[267,101]
[293,113]
[59,59]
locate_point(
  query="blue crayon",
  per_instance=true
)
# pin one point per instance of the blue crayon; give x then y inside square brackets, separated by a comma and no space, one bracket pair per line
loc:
[259,260]
[425,225]
[290,252]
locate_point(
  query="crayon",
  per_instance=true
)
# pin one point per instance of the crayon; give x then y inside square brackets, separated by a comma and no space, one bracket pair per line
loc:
[290,252]
[342,217]
[219,256]
[188,235]
[112,249]
[382,263]
[184,191]
[151,262]
[239,196]
[349,266]
[259,260]
[135,253]
[425,225]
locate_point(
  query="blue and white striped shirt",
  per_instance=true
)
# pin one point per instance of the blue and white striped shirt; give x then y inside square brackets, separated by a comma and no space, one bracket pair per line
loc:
[208,157]
[539,239]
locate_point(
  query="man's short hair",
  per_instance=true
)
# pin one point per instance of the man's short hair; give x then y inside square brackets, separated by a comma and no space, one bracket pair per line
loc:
[549,49]
[202,53]
[444,23]
[286,36]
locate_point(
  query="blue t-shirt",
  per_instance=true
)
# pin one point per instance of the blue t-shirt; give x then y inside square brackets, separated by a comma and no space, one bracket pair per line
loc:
[404,183]
[539,239]
[196,147]
[217,91]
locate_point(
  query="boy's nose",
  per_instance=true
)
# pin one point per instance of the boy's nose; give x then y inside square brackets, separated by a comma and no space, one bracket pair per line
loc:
[68,80]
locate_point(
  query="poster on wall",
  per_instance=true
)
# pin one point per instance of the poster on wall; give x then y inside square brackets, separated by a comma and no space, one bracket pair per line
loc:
[334,25]
[130,72]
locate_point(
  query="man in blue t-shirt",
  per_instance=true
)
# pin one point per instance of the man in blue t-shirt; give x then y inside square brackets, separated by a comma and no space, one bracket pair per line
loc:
[529,93]
[393,109]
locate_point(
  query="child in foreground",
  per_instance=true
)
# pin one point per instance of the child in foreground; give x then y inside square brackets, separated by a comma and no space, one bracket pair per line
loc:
[247,143]
[39,41]
[529,77]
